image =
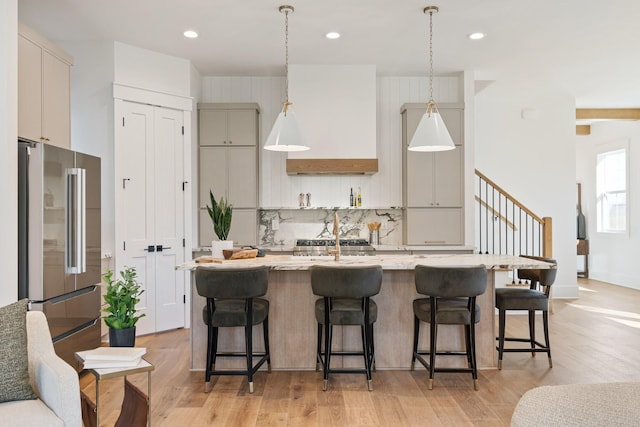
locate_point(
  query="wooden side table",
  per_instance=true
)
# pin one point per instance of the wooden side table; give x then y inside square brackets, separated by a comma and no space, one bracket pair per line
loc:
[107,373]
[583,249]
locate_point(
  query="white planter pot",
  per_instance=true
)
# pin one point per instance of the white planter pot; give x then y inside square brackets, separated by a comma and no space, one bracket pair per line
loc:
[218,245]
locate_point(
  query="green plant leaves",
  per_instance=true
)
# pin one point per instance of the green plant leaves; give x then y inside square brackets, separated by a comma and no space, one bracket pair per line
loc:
[121,298]
[220,214]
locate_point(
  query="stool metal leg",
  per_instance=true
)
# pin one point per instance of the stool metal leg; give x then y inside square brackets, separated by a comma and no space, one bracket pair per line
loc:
[265,333]
[319,348]
[501,325]
[532,331]
[249,348]
[416,333]
[432,353]
[545,322]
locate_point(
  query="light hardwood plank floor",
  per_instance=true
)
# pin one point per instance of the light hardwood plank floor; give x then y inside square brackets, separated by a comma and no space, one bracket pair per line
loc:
[595,338]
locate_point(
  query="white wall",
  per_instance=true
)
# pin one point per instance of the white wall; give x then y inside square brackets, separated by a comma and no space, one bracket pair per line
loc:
[145,69]
[9,150]
[533,160]
[613,258]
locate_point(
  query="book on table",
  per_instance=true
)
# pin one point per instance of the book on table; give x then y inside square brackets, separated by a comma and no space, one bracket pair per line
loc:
[112,357]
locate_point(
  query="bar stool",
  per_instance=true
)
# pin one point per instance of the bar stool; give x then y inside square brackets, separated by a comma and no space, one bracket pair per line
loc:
[346,300]
[452,295]
[232,300]
[530,299]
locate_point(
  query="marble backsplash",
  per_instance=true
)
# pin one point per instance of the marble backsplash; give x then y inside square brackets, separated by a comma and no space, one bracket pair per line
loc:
[283,226]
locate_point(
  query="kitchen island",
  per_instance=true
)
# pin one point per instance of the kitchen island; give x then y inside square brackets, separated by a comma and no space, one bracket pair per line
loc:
[293,328]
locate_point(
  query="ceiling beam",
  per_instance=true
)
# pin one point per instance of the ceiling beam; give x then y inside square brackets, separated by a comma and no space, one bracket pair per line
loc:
[608,113]
[583,129]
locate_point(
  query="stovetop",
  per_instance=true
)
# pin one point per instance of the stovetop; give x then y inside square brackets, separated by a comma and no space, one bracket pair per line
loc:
[331,242]
[309,247]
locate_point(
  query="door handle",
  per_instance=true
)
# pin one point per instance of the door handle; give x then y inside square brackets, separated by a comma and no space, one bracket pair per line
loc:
[150,248]
[159,248]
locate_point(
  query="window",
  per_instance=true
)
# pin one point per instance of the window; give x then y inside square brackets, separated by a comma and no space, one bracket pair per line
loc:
[612,189]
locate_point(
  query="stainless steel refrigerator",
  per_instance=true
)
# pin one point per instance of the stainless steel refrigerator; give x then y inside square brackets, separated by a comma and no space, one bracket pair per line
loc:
[59,246]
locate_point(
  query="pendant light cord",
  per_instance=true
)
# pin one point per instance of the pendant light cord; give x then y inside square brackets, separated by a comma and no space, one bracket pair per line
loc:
[431,56]
[286,59]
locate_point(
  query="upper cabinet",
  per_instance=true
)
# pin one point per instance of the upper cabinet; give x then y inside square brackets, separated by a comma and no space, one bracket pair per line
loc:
[44,90]
[228,124]
[433,182]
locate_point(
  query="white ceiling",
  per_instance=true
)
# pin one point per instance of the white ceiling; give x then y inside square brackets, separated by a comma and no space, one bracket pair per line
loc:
[588,48]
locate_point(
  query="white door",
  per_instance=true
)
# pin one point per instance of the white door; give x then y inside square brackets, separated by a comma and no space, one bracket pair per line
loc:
[149,209]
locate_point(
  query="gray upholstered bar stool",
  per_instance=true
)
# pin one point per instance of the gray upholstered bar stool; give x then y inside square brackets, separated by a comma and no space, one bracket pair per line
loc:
[232,300]
[530,299]
[452,293]
[346,300]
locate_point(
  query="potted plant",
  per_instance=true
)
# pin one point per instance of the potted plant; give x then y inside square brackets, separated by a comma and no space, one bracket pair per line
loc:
[120,299]
[221,214]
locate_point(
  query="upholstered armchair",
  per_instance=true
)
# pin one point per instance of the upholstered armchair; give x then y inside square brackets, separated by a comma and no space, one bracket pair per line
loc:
[54,381]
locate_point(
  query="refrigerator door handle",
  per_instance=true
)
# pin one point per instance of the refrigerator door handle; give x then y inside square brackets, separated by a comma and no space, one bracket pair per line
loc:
[76,221]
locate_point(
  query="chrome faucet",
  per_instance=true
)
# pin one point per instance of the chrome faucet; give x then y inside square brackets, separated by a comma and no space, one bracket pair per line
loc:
[336,232]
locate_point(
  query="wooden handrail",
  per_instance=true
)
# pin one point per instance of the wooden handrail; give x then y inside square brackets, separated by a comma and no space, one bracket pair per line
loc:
[510,197]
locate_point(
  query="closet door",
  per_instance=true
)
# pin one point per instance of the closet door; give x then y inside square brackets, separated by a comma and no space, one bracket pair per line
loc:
[150,209]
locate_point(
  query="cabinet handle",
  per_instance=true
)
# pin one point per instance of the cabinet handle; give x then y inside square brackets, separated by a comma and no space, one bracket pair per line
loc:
[230,142]
[437,203]
[434,241]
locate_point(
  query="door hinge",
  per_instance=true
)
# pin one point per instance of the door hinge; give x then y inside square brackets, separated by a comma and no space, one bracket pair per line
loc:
[184,299]
[124,246]
[122,121]
[184,242]
[183,130]
[184,183]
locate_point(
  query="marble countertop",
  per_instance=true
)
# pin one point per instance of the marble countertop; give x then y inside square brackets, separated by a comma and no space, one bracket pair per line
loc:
[388,262]
[399,248]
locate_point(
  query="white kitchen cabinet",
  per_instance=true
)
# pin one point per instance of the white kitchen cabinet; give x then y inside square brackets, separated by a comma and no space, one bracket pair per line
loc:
[230,169]
[434,181]
[228,124]
[44,90]
[230,172]
[434,226]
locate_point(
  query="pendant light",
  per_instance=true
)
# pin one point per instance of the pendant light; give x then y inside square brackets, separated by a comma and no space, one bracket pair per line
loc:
[431,133]
[285,134]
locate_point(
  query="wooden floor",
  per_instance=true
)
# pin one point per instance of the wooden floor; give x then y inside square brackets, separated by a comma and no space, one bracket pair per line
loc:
[595,338]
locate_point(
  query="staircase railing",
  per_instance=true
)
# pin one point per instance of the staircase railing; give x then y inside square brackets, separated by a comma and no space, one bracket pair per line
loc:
[506,226]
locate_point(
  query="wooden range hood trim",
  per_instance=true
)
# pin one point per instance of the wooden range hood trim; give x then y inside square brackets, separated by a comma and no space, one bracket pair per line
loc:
[332,166]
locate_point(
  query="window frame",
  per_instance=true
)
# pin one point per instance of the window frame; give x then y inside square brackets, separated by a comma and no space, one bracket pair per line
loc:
[609,147]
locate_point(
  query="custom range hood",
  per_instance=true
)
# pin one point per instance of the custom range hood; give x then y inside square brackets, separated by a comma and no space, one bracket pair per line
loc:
[336,108]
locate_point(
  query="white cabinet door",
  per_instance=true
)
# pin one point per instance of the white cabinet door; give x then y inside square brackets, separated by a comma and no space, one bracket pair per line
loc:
[229,173]
[212,125]
[150,209]
[29,89]
[242,127]
[438,226]
[228,127]
[56,101]
[169,149]
[242,177]
[213,174]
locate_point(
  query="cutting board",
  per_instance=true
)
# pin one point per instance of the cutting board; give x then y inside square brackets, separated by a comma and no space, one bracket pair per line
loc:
[230,255]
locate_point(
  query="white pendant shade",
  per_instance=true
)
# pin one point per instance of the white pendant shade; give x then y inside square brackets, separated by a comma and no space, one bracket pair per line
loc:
[431,134]
[285,134]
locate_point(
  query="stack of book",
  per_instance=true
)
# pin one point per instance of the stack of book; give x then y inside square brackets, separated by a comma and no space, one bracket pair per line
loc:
[112,357]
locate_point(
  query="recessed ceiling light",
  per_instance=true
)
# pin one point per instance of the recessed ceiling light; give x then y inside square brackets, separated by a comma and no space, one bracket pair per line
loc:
[476,36]
[333,35]
[190,34]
